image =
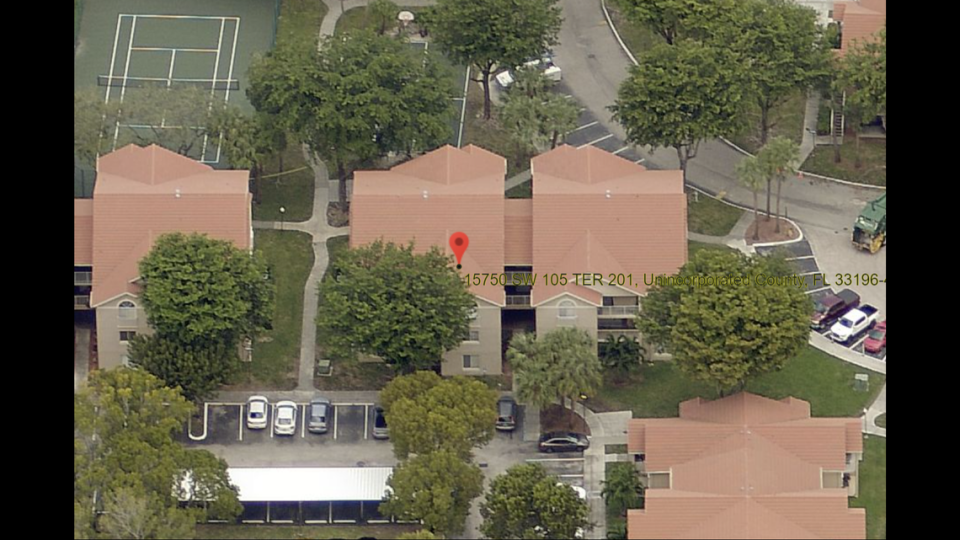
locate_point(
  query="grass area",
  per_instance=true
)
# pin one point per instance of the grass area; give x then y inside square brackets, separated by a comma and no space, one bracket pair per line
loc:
[615,449]
[873,486]
[694,247]
[706,215]
[302,532]
[356,19]
[293,191]
[787,119]
[299,22]
[873,153]
[289,255]
[826,382]
[637,38]
[488,134]
[881,421]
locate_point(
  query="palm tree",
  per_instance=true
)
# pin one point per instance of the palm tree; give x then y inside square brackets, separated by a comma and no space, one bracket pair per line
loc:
[779,158]
[751,175]
[622,353]
[622,489]
[531,373]
[558,116]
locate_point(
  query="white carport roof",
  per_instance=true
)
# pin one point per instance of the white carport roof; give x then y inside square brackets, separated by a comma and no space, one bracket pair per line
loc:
[270,484]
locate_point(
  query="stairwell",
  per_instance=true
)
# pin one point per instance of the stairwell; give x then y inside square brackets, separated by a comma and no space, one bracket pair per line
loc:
[837,114]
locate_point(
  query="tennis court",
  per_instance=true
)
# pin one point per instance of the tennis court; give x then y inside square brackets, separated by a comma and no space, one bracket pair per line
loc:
[461,75]
[128,45]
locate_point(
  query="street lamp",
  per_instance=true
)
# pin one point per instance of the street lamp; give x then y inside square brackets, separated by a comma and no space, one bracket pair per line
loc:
[282,211]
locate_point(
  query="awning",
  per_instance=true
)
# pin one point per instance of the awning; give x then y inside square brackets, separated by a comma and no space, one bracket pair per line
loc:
[269,484]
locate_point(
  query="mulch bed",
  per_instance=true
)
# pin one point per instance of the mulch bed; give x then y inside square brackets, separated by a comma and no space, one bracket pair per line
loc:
[337,217]
[557,418]
[767,234]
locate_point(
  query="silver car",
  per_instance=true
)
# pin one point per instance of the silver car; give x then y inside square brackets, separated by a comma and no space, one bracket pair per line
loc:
[318,412]
[285,418]
[257,412]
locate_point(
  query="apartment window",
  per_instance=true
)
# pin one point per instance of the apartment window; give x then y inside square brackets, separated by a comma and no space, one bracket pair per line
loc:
[127,310]
[472,313]
[125,360]
[471,361]
[127,335]
[474,335]
[567,310]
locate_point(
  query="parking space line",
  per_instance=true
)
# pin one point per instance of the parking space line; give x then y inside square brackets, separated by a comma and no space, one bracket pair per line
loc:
[557,459]
[799,258]
[585,126]
[859,341]
[605,137]
[366,419]
[569,475]
[303,423]
[641,160]
[817,290]
[241,423]
[621,150]
[273,415]
[335,409]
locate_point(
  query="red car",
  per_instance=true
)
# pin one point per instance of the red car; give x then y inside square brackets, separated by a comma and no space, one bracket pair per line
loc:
[876,339]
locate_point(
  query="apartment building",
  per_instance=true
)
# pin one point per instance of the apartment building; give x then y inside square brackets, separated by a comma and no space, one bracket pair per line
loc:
[575,254]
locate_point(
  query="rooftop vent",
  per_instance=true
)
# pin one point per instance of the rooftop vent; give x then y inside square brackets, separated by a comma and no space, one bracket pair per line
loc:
[177,193]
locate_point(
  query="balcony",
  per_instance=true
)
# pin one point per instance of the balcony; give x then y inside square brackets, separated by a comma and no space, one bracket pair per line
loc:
[82,279]
[629,332]
[522,278]
[617,311]
[81,301]
[518,301]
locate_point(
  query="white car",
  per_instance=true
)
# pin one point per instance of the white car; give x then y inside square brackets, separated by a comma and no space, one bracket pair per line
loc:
[257,412]
[545,65]
[285,418]
[853,323]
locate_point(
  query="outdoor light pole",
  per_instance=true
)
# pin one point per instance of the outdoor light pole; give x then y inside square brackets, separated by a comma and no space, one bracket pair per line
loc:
[282,211]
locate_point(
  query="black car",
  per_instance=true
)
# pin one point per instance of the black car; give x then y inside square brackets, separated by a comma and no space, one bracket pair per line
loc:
[380,430]
[563,441]
[506,414]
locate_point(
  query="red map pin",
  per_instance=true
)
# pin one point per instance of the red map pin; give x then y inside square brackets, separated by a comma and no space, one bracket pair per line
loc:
[459,243]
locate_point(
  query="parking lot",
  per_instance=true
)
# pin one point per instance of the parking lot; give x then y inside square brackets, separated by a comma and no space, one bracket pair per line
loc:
[568,466]
[855,344]
[225,424]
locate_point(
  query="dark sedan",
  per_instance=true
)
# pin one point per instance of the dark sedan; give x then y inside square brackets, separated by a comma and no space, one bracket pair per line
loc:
[563,441]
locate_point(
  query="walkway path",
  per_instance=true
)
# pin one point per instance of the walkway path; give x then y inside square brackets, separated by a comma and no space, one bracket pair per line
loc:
[878,407]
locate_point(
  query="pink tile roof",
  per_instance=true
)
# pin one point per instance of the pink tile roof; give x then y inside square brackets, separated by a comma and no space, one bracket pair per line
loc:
[82,232]
[745,467]
[640,228]
[142,193]
[861,19]
[518,232]
[431,197]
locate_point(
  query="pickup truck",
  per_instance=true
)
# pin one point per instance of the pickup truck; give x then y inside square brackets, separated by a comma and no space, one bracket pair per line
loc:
[853,323]
[830,308]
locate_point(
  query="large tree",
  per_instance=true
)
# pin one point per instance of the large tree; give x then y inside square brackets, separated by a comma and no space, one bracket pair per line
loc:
[561,364]
[90,125]
[248,141]
[779,158]
[175,117]
[680,95]
[751,175]
[526,502]
[533,114]
[863,76]
[385,300]
[674,20]
[622,353]
[428,414]
[359,97]
[488,34]
[723,332]
[201,291]
[622,489]
[127,462]
[436,488]
[382,14]
[197,370]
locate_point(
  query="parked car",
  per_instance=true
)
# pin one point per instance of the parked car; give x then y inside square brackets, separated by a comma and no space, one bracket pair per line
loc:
[285,418]
[257,412]
[506,414]
[830,308]
[877,338]
[853,323]
[544,64]
[563,441]
[319,410]
[380,429]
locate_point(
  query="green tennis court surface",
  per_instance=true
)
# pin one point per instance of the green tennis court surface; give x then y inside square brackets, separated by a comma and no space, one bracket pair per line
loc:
[125,45]
[460,74]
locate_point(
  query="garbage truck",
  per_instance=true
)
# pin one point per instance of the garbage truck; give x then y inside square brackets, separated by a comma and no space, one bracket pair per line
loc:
[870,230]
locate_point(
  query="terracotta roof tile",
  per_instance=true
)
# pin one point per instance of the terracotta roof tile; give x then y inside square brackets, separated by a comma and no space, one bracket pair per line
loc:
[518,232]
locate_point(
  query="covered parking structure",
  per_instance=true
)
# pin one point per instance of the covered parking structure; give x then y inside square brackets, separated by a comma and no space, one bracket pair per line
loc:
[311,495]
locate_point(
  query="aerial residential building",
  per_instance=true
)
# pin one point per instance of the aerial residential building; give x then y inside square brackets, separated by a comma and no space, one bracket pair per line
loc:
[140,194]
[746,466]
[597,224]
[859,20]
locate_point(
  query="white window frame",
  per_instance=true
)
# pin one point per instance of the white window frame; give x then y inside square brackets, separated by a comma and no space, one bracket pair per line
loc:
[475,357]
[472,313]
[470,336]
[562,308]
[122,332]
[127,313]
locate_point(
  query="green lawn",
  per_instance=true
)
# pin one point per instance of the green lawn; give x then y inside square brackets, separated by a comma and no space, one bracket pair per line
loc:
[615,449]
[873,485]
[873,152]
[694,247]
[299,22]
[636,37]
[881,421]
[281,532]
[356,18]
[826,382]
[787,117]
[710,216]
[292,190]
[289,255]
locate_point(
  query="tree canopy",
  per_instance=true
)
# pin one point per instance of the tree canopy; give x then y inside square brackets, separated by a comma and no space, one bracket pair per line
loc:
[385,300]
[674,20]
[127,462]
[427,414]
[197,370]
[561,364]
[526,502]
[725,333]
[622,489]
[863,76]
[489,34]
[436,488]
